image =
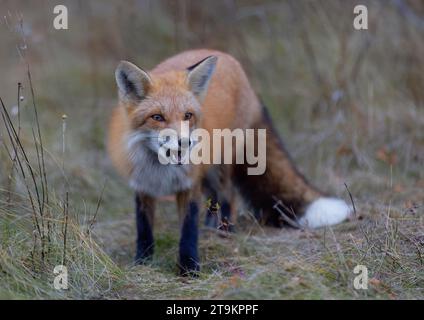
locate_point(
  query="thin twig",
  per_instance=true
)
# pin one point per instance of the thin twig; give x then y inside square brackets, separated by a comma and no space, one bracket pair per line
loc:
[351,199]
[93,220]
[65,226]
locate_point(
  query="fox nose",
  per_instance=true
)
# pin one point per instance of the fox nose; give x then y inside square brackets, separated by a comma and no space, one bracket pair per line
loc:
[184,142]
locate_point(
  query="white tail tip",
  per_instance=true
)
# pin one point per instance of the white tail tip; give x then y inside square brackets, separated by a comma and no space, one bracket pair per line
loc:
[325,212]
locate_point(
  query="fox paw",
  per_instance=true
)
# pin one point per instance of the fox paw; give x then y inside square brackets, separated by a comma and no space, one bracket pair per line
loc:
[142,258]
[189,267]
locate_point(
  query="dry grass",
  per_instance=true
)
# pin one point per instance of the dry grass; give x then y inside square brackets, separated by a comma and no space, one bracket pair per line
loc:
[349,106]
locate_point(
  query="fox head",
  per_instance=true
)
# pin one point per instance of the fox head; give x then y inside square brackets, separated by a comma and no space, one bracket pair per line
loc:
[159,104]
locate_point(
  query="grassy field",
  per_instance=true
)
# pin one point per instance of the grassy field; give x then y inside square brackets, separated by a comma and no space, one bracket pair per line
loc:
[349,105]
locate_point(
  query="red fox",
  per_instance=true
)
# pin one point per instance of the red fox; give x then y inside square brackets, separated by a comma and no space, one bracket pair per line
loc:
[209,90]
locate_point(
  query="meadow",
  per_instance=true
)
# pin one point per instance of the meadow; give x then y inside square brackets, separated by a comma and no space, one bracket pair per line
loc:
[348,104]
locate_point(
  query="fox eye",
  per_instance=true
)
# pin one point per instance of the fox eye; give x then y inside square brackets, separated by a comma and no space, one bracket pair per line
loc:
[158,117]
[188,116]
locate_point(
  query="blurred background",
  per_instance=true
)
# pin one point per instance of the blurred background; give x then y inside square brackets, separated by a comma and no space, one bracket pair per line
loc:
[349,104]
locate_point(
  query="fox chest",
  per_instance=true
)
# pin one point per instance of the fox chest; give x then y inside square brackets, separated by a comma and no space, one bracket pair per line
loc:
[150,177]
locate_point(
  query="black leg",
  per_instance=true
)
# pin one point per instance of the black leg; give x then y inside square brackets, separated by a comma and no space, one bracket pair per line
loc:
[189,258]
[211,219]
[226,223]
[144,217]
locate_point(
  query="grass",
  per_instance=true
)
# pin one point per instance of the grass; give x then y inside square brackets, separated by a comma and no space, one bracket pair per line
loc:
[349,110]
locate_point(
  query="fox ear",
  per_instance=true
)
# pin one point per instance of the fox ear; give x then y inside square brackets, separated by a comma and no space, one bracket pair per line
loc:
[199,76]
[133,83]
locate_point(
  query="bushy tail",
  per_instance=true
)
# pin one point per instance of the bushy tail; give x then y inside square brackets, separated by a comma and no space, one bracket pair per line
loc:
[282,195]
